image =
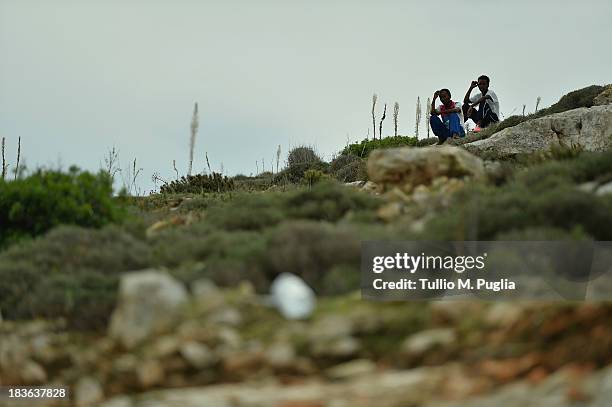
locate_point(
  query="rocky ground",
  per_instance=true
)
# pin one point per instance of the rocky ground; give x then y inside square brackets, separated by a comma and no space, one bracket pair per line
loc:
[168,346]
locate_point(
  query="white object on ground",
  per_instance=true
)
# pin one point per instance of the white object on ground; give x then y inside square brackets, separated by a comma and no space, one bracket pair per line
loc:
[292,296]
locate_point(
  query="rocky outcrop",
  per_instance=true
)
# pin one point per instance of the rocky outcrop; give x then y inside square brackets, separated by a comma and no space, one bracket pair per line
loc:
[586,128]
[411,166]
[148,301]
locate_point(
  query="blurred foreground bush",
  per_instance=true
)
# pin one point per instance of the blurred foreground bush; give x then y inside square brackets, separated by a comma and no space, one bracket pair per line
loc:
[71,272]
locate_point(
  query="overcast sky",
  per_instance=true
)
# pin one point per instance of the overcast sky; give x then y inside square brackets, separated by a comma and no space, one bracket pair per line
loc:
[77,77]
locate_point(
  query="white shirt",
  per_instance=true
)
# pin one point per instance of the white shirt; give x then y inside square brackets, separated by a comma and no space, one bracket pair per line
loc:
[493,102]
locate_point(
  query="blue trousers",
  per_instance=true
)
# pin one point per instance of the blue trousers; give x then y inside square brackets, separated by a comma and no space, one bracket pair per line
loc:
[451,125]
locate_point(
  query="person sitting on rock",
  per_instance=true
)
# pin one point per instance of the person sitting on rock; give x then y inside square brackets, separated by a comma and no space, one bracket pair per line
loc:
[483,107]
[451,122]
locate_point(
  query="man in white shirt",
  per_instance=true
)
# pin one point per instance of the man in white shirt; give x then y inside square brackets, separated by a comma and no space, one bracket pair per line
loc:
[483,107]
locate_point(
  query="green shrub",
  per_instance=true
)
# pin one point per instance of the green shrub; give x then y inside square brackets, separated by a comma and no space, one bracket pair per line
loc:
[198,184]
[311,250]
[300,160]
[33,205]
[70,272]
[201,251]
[366,146]
[328,201]
[248,212]
[544,196]
[348,168]
[579,98]
[311,177]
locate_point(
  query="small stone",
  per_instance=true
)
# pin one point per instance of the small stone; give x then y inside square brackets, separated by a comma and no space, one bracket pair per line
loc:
[198,355]
[280,355]
[355,184]
[358,367]
[150,373]
[330,327]
[424,341]
[226,316]
[504,314]
[588,186]
[33,373]
[88,392]
[604,189]
[164,346]
[119,401]
[390,211]
[370,186]
[338,348]
[204,287]
[229,338]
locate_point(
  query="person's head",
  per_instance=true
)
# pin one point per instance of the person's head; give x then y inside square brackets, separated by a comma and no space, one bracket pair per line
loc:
[445,96]
[483,83]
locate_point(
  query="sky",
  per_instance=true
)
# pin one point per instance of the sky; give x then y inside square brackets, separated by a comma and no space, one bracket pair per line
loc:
[79,77]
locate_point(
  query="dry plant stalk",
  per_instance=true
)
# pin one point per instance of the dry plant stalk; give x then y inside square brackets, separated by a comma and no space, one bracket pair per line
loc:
[208,163]
[278,154]
[195,124]
[374,99]
[4,164]
[538,100]
[111,163]
[18,157]
[175,170]
[381,122]
[427,115]
[395,115]
[418,117]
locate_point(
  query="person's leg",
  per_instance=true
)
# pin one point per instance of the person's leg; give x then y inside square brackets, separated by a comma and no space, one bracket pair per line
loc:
[476,115]
[454,125]
[438,128]
[488,116]
[465,107]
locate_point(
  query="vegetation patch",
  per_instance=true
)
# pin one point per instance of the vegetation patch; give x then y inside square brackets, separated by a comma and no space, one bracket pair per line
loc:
[33,205]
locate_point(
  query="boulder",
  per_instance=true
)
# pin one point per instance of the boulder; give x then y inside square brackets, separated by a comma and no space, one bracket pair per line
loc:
[147,305]
[586,128]
[411,166]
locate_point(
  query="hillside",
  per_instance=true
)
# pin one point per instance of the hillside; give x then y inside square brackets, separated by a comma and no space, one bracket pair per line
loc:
[162,300]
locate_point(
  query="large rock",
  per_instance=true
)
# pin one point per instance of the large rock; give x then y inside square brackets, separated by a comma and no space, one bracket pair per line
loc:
[414,166]
[147,305]
[588,128]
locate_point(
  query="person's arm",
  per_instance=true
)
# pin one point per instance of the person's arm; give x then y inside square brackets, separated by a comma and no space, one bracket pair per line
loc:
[433,110]
[466,99]
[482,99]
